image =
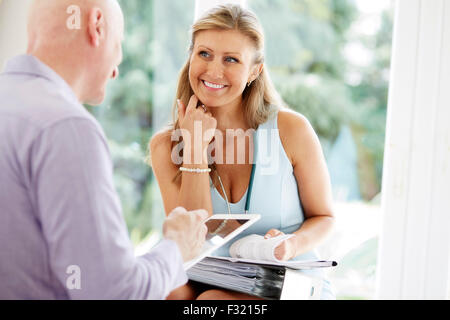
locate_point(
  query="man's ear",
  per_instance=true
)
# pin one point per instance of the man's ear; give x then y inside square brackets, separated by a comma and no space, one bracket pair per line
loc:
[96,26]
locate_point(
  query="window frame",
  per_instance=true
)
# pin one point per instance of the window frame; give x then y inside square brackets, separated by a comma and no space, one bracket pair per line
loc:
[414,252]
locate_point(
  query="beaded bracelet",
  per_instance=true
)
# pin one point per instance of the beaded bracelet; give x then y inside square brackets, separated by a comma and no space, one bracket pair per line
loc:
[195,170]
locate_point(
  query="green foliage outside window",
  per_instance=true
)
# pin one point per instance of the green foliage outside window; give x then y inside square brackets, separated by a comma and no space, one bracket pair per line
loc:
[305,41]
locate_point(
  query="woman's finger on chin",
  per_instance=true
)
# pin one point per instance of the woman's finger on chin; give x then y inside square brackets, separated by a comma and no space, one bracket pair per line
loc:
[181,109]
[192,105]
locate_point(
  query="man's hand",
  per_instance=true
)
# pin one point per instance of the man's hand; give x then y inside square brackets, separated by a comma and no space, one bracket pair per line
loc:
[187,229]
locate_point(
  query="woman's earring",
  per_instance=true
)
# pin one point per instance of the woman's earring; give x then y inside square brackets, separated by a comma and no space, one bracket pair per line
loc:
[249,83]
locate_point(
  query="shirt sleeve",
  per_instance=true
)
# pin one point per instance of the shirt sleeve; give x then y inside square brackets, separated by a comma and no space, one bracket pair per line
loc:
[81,218]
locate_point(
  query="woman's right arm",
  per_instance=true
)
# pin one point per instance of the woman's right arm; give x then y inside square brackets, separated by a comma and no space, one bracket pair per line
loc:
[164,169]
[192,190]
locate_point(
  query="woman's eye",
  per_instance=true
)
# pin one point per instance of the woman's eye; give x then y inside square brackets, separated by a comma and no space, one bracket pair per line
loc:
[204,54]
[231,59]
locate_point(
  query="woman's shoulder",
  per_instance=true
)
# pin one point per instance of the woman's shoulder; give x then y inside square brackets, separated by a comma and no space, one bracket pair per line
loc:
[295,130]
[293,124]
[160,145]
[161,138]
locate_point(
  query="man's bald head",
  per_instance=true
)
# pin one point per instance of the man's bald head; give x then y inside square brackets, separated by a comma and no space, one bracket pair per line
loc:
[48,19]
[86,53]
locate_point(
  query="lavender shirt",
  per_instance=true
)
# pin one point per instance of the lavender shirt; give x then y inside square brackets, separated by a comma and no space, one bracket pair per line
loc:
[62,232]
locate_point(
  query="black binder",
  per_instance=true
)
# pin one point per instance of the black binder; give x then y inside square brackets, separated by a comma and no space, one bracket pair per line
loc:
[264,281]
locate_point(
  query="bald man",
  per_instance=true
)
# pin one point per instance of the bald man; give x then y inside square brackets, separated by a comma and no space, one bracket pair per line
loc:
[62,232]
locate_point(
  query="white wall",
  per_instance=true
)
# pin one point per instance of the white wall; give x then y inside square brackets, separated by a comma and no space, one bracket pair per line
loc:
[414,251]
[13,33]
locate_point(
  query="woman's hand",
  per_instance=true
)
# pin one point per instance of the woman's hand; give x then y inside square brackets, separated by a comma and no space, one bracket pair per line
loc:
[198,129]
[287,249]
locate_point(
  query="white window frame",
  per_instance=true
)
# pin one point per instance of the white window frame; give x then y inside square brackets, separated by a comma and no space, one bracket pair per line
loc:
[414,253]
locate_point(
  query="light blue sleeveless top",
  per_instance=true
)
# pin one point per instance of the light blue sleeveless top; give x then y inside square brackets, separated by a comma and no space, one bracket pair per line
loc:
[275,194]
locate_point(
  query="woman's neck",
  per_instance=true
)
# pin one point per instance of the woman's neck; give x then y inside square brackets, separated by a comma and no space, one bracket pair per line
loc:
[230,116]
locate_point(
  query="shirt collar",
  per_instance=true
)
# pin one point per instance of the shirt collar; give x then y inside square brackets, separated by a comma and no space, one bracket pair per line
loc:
[30,65]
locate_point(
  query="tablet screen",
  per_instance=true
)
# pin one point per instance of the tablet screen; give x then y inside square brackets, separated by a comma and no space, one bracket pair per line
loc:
[221,229]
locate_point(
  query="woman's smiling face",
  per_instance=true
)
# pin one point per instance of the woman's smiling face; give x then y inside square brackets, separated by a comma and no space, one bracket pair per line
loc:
[221,65]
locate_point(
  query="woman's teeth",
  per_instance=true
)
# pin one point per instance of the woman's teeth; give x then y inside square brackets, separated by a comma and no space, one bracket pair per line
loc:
[213,85]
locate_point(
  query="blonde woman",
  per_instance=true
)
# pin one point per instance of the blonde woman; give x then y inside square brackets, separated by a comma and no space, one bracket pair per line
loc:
[225,117]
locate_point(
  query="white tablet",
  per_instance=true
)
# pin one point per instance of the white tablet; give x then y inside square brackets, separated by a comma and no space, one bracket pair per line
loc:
[221,229]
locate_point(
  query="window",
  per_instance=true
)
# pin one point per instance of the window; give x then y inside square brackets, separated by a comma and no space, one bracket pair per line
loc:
[332,65]
[139,103]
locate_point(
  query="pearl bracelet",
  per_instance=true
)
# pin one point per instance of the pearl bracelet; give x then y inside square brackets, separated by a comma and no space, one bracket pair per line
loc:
[195,170]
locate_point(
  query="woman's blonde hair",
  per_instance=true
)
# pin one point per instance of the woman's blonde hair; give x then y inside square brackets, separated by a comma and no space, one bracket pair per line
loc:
[259,100]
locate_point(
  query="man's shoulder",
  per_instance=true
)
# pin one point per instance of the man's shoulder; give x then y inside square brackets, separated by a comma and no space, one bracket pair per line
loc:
[39,104]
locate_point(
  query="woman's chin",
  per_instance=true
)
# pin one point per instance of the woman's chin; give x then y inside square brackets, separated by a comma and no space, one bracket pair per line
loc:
[211,103]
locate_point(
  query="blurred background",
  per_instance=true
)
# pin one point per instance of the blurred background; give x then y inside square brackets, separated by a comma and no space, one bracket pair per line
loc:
[330,61]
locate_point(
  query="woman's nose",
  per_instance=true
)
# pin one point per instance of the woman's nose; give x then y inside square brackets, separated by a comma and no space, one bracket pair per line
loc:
[215,69]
